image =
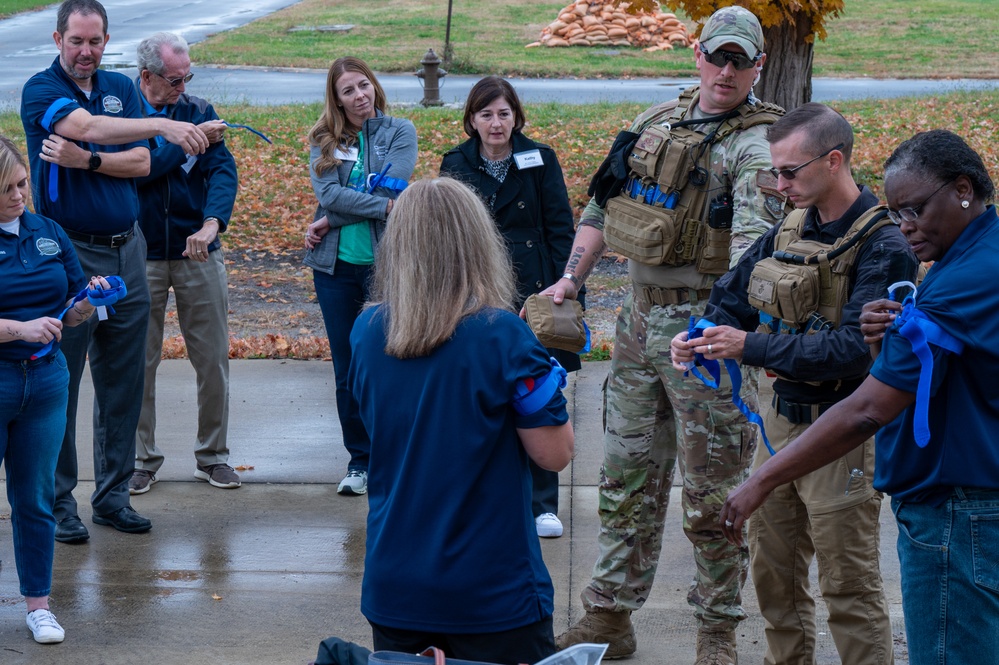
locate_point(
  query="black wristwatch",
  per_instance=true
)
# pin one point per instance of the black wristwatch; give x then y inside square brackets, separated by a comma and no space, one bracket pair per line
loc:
[95,161]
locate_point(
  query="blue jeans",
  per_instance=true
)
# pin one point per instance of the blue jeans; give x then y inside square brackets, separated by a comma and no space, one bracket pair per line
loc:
[33,395]
[949,559]
[341,296]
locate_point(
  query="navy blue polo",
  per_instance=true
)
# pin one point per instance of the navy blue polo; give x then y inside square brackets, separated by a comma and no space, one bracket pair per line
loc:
[80,200]
[40,272]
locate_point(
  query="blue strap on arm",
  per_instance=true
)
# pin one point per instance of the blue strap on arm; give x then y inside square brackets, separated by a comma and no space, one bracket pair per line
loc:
[395,184]
[713,368]
[53,189]
[97,297]
[531,396]
[916,327]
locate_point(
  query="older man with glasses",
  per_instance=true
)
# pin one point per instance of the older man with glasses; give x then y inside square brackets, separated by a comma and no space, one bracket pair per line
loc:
[185,203]
[810,339]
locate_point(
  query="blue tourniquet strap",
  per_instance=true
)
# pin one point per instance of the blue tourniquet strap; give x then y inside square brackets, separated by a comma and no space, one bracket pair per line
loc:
[714,369]
[249,129]
[533,395]
[586,349]
[395,184]
[921,332]
[53,190]
[97,297]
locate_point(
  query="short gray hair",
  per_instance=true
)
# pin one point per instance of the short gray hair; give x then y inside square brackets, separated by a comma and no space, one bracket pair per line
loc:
[149,53]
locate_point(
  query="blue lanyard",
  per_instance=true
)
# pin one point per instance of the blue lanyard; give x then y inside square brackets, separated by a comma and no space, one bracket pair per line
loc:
[714,369]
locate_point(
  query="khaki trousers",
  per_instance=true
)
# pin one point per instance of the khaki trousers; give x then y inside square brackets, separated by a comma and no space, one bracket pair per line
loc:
[834,518]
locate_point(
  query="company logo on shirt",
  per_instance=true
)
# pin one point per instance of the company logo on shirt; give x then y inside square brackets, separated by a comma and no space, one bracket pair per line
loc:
[112,104]
[47,246]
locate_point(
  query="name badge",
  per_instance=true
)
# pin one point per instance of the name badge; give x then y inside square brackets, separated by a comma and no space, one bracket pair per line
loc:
[528,160]
[189,164]
[349,155]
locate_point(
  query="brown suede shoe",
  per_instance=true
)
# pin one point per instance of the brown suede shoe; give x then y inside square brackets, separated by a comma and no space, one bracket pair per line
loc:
[600,627]
[716,647]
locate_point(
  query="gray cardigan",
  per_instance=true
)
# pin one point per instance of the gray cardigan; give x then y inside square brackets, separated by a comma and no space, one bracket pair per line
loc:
[387,140]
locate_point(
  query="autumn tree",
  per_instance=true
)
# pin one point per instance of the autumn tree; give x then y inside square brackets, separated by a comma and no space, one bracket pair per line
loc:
[790,28]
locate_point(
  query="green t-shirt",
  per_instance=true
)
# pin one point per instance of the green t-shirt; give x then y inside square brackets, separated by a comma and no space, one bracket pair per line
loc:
[355,239]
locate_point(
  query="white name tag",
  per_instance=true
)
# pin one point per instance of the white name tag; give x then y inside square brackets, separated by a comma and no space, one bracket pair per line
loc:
[349,155]
[528,160]
[189,164]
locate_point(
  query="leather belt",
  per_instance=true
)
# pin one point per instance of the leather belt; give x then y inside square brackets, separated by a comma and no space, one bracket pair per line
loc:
[800,414]
[104,241]
[657,295]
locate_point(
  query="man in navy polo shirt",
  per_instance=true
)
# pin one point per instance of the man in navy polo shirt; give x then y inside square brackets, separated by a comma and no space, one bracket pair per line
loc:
[85,132]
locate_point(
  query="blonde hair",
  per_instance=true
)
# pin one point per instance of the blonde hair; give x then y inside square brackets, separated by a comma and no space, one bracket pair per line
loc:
[332,129]
[441,259]
[10,159]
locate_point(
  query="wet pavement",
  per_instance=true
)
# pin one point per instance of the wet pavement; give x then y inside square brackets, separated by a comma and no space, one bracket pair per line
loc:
[260,574]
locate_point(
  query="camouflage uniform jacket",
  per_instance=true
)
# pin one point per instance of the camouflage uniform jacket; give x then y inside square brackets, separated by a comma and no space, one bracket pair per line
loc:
[739,161]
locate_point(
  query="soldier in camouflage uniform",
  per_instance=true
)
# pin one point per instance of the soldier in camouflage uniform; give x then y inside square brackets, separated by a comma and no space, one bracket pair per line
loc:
[653,416]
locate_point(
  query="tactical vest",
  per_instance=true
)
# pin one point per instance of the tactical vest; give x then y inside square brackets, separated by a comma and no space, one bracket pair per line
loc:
[804,284]
[659,217]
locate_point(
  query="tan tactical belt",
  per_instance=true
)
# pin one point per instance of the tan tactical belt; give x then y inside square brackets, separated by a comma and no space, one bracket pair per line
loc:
[657,295]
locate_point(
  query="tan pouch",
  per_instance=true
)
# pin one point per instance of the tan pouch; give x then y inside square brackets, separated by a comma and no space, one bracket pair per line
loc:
[784,291]
[640,231]
[557,326]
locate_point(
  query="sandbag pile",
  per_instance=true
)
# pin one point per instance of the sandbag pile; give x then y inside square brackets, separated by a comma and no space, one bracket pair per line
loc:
[596,23]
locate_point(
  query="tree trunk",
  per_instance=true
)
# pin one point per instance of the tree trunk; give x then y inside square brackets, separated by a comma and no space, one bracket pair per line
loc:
[787,75]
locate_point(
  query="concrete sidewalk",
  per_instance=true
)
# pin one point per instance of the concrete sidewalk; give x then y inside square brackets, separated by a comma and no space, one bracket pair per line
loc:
[261,574]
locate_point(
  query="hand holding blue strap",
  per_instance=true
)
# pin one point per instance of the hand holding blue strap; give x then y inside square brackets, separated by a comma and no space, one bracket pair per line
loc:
[98,297]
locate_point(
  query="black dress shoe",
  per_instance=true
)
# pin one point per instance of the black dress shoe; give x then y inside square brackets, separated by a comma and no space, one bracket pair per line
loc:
[71,530]
[125,519]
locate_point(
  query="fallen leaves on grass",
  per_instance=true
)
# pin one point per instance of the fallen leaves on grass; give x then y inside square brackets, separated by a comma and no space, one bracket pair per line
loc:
[272,345]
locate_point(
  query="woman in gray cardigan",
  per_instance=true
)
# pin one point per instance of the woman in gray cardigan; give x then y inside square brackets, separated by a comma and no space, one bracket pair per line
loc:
[360,160]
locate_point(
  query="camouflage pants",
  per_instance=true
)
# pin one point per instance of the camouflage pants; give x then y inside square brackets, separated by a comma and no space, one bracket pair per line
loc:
[654,416]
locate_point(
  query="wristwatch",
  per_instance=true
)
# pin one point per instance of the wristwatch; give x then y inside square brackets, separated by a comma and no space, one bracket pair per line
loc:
[572,278]
[95,161]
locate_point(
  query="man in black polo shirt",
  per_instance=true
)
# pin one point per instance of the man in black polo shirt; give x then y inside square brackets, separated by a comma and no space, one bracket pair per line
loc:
[85,132]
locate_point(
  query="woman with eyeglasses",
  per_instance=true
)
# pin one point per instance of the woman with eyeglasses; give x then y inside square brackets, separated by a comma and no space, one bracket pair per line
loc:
[41,275]
[521,183]
[360,160]
[933,400]
[457,394]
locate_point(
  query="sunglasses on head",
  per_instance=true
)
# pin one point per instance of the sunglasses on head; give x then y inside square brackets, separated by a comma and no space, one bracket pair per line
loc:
[177,81]
[792,173]
[721,58]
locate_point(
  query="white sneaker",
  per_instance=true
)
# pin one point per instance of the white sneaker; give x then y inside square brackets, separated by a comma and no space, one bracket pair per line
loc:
[354,483]
[44,627]
[548,525]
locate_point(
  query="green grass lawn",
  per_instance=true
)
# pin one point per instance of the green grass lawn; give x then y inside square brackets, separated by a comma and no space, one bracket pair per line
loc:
[878,38]
[11,7]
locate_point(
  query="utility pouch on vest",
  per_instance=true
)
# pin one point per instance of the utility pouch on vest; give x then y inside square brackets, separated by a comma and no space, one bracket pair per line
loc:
[785,291]
[640,231]
[556,326]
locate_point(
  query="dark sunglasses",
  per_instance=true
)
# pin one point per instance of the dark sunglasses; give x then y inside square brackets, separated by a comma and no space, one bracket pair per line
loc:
[791,174]
[721,58]
[177,81]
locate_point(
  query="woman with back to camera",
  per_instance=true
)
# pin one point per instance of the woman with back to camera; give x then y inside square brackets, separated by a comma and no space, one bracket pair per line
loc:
[521,183]
[359,161]
[933,399]
[40,274]
[452,558]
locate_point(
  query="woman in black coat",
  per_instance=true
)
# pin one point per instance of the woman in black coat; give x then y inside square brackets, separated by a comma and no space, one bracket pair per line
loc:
[522,184]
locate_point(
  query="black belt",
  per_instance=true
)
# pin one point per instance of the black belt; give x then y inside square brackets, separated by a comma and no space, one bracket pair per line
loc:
[104,241]
[657,295]
[800,414]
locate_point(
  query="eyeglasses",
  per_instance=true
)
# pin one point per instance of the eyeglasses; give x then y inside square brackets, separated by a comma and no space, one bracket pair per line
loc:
[911,214]
[721,58]
[177,81]
[791,174]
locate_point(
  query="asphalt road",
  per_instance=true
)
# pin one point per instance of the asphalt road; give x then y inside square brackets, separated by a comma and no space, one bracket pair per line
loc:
[26,46]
